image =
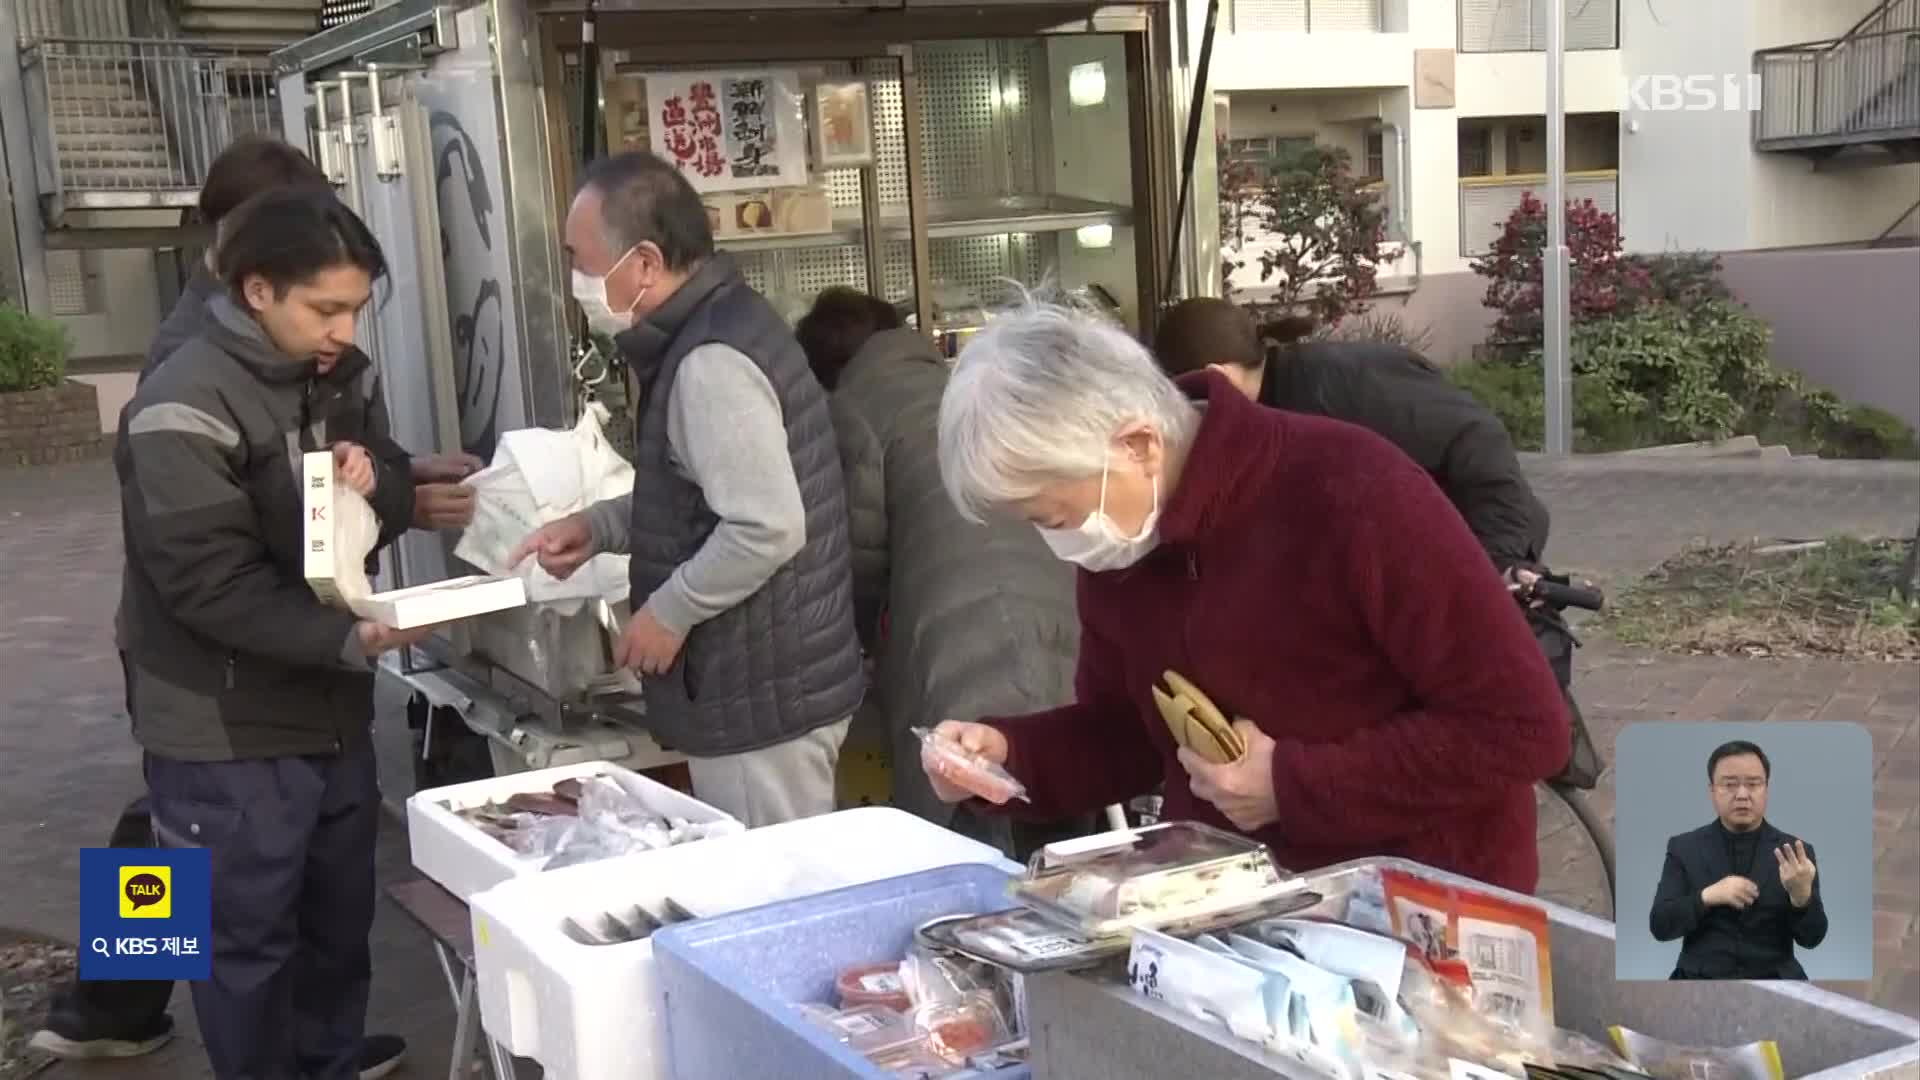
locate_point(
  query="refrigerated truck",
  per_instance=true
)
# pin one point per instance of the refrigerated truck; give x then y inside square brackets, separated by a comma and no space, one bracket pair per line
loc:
[930,151]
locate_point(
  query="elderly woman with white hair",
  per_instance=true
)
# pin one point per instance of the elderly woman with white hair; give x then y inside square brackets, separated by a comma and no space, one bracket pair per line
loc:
[1302,572]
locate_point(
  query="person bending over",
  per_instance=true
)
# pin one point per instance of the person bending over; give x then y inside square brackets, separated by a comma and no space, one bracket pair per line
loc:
[1388,389]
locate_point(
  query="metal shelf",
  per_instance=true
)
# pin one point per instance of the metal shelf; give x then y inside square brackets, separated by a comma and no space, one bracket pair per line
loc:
[956,219]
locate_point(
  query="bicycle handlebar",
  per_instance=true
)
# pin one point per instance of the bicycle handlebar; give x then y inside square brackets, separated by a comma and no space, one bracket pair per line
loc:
[1558,592]
[1565,596]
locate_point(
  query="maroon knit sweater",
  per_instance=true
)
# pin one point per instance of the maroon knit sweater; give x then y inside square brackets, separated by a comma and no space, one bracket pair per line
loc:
[1313,579]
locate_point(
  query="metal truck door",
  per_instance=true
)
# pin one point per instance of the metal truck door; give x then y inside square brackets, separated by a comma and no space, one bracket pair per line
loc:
[388,175]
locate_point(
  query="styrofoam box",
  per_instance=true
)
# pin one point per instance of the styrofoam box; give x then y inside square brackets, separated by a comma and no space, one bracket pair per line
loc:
[732,984]
[466,861]
[594,1012]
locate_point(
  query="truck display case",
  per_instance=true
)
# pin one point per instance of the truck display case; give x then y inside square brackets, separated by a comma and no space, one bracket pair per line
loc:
[1007,146]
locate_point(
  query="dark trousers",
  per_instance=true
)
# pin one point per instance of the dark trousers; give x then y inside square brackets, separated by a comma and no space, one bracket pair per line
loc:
[292,841]
[108,1009]
[103,1008]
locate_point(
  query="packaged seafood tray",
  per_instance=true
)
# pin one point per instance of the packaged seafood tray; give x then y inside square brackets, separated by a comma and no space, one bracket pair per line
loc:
[736,986]
[1098,1028]
[471,837]
[1178,876]
[589,1011]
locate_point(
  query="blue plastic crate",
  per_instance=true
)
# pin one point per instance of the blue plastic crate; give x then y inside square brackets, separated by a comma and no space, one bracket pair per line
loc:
[731,983]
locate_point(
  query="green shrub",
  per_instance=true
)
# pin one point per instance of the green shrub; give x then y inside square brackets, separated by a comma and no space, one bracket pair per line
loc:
[1700,372]
[1863,431]
[1685,278]
[33,351]
[1517,395]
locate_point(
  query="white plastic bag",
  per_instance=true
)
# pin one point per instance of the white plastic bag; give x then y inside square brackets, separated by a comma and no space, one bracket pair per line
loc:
[539,476]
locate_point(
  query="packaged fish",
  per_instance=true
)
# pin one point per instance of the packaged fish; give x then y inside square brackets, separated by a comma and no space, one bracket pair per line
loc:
[1018,940]
[959,1030]
[960,767]
[873,984]
[869,1030]
[1179,876]
[1502,942]
[928,976]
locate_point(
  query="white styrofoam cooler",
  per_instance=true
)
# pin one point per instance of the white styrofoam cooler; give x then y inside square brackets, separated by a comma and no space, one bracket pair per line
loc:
[466,861]
[594,1012]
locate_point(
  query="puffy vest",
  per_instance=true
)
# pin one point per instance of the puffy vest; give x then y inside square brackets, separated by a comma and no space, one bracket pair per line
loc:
[787,659]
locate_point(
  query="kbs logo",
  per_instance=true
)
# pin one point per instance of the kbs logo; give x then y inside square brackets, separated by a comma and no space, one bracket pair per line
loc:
[146,892]
[1691,93]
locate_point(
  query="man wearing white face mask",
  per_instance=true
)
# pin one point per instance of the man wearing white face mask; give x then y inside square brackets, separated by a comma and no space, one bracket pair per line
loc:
[737,524]
[1302,572]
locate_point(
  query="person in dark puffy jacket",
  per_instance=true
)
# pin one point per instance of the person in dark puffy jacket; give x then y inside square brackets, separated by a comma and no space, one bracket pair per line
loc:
[1388,389]
[964,620]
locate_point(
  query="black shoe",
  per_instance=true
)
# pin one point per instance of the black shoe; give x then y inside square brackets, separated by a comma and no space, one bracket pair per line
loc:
[380,1055]
[65,1036]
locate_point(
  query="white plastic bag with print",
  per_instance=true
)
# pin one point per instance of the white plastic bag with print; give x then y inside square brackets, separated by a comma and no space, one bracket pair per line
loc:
[540,475]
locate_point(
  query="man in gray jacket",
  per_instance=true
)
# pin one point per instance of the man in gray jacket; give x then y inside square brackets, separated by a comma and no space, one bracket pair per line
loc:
[737,524]
[252,700]
[979,620]
[117,1019]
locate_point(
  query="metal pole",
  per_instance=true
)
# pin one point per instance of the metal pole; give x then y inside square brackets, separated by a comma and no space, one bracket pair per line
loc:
[1559,388]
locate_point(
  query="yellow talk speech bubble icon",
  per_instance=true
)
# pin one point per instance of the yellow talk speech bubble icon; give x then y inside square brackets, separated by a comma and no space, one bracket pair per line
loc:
[146,892]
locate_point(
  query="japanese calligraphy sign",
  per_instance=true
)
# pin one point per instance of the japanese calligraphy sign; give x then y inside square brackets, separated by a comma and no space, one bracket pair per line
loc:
[730,130]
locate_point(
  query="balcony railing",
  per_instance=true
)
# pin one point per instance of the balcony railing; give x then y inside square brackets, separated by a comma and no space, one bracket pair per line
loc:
[1486,202]
[1306,16]
[131,122]
[1490,26]
[1856,89]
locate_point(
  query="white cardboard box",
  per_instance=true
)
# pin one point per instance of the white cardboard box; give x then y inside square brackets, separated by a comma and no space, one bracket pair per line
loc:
[402,609]
[594,1012]
[465,860]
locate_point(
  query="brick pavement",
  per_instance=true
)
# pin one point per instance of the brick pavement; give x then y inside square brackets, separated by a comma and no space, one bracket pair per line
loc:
[66,763]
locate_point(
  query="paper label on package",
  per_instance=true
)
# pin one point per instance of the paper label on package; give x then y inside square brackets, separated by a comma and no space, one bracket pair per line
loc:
[317,496]
[1506,984]
[857,1024]
[882,982]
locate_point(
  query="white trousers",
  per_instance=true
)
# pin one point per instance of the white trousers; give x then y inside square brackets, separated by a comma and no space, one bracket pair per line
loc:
[783,782]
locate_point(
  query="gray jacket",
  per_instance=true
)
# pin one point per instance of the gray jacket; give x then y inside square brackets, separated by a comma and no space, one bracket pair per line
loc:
[980,619]
[786,659]
[186,321]
[229,654]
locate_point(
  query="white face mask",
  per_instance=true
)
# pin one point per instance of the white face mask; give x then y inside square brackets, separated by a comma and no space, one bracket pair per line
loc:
[1096,544]
[590,292]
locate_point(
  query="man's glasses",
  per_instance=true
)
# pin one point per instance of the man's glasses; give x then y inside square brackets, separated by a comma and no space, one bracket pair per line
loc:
[1734,787]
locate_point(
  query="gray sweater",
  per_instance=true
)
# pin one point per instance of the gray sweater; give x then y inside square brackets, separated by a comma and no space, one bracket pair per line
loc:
[725,433]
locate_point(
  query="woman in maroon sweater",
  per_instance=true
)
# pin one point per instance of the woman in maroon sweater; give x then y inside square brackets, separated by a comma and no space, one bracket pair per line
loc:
[1302,572]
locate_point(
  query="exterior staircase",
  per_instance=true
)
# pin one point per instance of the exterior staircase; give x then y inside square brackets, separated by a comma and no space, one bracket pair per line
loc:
[129,101]
[111,137]
[1850,102]
[280,22]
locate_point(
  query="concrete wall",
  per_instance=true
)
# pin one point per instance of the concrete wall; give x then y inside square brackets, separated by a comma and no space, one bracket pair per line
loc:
[1694,169]
[1848,320]
[1690,180]
[1447,305]
[112,391]
[1509,84]
[125,297]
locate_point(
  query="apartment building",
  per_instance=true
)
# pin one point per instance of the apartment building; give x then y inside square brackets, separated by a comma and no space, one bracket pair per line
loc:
[1722,125]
